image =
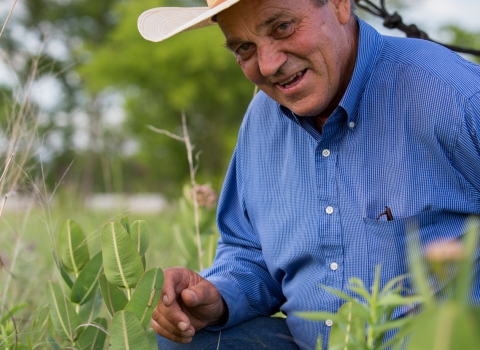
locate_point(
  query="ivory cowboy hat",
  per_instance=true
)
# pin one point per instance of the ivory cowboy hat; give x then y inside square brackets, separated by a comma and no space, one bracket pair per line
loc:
[163,22]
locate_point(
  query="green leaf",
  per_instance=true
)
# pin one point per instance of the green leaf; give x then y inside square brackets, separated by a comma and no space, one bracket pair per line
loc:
[465,275]
[63,272]
[349,330]
[122,263]
[398,300]
[389,325]
[62,312]
[72,247]
[339,294]
[375,286]
[152,338]
[91,308]
[146,296]
[139,232]
[450,326]
[87,282]
[94,335]
[362,292]
[53,343]
[127,332]
[114,298]
[125,223]
[317,316]
[394,284]
[417,265]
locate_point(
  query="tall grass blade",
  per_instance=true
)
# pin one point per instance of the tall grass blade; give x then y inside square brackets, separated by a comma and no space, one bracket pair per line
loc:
[8,17]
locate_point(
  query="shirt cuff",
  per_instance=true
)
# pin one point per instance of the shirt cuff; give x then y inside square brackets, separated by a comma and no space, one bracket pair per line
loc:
[234,298]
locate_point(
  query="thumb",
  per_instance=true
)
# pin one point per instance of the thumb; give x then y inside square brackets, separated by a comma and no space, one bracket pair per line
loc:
[203,293]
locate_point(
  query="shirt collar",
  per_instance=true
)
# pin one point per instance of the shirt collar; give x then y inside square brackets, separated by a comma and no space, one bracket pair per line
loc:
[369,47]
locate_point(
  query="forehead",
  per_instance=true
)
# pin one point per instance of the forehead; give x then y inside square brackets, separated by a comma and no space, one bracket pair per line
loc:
[255,15]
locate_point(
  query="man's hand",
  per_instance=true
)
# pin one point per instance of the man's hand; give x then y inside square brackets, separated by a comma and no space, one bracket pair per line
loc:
[188,303]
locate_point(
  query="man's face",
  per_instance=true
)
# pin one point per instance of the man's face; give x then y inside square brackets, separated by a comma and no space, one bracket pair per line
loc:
[299,54]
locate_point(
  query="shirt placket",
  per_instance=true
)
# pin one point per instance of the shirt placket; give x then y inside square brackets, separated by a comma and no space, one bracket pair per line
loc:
[331,243]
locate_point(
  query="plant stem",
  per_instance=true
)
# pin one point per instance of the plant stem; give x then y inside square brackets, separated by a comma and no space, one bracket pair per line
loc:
[129,293]
[196,214]
[186,139]
[8,17]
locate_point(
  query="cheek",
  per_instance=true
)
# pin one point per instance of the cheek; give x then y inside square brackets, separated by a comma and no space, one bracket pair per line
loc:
[251,71]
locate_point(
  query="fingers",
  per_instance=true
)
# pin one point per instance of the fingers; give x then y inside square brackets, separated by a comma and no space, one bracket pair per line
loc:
[188,303]
[176,280]
[168,319]
[180,333]
[172,323]
[172,285]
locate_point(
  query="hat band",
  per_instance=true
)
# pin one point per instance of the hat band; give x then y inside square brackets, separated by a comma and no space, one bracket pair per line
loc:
[214,3]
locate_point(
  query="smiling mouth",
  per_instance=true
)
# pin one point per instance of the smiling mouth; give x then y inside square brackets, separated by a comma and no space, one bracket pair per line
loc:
[291,81]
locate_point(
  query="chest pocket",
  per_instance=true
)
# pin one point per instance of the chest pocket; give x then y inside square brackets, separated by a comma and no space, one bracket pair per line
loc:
[387,241]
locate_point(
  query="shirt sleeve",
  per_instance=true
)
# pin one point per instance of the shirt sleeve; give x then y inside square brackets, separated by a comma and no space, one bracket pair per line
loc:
[239,271]
[467,148]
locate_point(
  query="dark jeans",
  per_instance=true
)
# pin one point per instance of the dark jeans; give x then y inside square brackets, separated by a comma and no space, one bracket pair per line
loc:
[260,333]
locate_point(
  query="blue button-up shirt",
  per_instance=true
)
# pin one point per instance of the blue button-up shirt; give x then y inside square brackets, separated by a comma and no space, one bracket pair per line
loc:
[299,209]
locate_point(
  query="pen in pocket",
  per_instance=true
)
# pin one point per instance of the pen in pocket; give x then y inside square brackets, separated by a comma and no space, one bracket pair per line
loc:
[387,213]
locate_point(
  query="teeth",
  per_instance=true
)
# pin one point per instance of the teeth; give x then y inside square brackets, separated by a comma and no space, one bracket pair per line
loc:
[299,74]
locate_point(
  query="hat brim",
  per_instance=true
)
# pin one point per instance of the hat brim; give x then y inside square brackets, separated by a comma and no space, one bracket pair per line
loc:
[162,23]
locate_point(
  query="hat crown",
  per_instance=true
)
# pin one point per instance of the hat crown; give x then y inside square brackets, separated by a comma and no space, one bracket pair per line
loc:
[213,3]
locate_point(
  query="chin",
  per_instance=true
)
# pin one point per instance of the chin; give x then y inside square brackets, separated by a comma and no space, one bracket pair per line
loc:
[304,113]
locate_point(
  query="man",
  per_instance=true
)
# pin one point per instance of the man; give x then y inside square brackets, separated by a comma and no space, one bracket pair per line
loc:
[348,122]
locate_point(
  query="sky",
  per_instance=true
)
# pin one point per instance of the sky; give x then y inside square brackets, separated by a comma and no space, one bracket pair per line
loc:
[431,15]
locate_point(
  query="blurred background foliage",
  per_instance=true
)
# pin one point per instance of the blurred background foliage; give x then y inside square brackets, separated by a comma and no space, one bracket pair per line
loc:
[109,84]
[99,85]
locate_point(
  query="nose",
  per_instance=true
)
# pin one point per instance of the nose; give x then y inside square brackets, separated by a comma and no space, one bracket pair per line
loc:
[270,59]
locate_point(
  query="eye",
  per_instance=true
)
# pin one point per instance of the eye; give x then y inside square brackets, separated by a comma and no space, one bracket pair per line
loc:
[244,51]
[283,30]
[243,48]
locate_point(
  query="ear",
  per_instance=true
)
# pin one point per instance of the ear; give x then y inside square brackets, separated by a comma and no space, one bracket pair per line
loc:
[342,10]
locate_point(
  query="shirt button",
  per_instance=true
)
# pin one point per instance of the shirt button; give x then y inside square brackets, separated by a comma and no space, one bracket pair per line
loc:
[329,210]
[351,124]
[334,266]
[326,153]
[329,323]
